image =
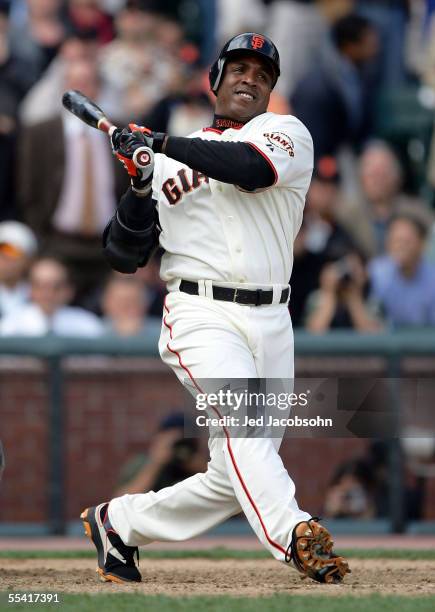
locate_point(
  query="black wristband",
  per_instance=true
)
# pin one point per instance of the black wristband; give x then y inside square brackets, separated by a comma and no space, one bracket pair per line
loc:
[159,141]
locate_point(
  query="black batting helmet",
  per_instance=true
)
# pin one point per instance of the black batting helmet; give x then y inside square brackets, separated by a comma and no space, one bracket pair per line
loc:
[251,43]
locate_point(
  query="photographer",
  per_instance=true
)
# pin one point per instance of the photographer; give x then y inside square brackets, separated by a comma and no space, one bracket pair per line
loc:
[340,302]
[171,458]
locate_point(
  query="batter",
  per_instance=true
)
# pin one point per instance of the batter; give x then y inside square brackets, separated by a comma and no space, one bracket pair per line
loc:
[230,201]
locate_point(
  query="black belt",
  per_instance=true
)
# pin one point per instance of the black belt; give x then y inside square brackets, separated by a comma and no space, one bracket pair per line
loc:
[249,297]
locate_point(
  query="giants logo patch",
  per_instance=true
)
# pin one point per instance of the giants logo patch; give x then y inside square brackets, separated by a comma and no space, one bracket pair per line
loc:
[257,41]
[280,140]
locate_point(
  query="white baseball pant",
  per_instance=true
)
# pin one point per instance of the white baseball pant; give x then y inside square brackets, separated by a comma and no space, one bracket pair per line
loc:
[203,339]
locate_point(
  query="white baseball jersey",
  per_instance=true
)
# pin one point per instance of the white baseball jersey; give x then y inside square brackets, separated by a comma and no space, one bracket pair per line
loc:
[216,231]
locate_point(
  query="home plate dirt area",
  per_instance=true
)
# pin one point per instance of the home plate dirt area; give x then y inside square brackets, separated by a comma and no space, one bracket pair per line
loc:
[239,577]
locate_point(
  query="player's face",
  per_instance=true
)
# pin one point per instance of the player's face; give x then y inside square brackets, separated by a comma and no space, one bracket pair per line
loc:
[245,88]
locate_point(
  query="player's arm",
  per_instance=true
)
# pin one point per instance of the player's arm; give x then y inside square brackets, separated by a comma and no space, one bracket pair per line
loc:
[237,163]
[131,236]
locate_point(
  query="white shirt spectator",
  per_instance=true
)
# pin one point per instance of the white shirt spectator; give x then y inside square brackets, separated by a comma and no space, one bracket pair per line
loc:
[30,320]
[12,298]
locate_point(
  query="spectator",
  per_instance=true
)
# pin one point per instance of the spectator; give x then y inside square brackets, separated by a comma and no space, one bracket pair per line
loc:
[14,82]
[322,238]
[125,305]
[236,17]
[403,281]
[341,300]
[334,100]
[360,488]
[17,247]
[171,458]
[2,460]
[141,65]
[351,492]
[36,40]
[42,100]
[51,291]
[380,176]
[65,196]
[300,50]
[87,15]
[184,110]
[154,286]
[390,18]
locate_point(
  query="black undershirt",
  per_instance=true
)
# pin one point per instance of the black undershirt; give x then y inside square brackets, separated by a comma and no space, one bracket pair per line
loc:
[236,163]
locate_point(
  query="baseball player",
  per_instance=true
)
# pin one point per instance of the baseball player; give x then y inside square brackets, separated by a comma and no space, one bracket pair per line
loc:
[230,200]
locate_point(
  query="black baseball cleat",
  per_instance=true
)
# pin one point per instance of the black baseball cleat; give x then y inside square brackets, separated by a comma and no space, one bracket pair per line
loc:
[115,559]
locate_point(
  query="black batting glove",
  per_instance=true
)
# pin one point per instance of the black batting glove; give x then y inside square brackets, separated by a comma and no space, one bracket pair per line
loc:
[126,140]
[137,158]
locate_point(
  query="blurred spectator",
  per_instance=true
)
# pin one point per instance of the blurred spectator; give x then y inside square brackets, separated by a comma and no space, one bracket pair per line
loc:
[14,82]
[155,288]
[403,281]
[142,64]
[197,19]
[2,460]
[360,488]
[125,305]
[381,178]
[36,40]
[51,291]
[351,492]
[17,247]
[87,15]
[322,238]
[334,100]
[341,299]
[69,183]
[298,29]
[184,111]
[42,101]
[390,18]
[236,17]
[170,459]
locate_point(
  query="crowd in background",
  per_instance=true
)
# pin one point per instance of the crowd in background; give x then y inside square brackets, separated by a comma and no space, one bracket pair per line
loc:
[358,73]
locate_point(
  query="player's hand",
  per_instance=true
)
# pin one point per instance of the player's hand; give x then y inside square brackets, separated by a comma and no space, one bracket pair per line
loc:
[137,158]
[126,140]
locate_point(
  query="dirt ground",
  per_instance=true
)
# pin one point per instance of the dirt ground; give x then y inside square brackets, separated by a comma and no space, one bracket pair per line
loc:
[212,577]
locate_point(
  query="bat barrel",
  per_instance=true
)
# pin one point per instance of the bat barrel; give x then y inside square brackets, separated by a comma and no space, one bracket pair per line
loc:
[86,110]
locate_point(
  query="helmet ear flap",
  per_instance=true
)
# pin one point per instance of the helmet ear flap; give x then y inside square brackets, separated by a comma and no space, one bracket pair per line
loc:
[215,74]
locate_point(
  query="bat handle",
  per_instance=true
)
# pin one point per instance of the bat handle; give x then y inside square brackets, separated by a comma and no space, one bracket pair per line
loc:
[106,126]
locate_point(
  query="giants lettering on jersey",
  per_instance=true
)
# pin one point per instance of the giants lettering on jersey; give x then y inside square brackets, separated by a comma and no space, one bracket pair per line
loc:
[185,181]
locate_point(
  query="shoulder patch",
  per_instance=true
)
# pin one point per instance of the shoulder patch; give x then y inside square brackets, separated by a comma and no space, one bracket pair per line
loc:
[280,140]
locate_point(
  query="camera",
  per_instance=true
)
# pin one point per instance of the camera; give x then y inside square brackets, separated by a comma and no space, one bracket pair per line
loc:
[344,271]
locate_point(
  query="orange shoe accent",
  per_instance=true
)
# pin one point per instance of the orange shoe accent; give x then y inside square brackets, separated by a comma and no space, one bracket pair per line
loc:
[110,578]
[86,524]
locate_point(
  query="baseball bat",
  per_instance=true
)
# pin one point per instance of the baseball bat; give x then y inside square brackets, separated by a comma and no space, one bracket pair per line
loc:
[86,110]
[82,107]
